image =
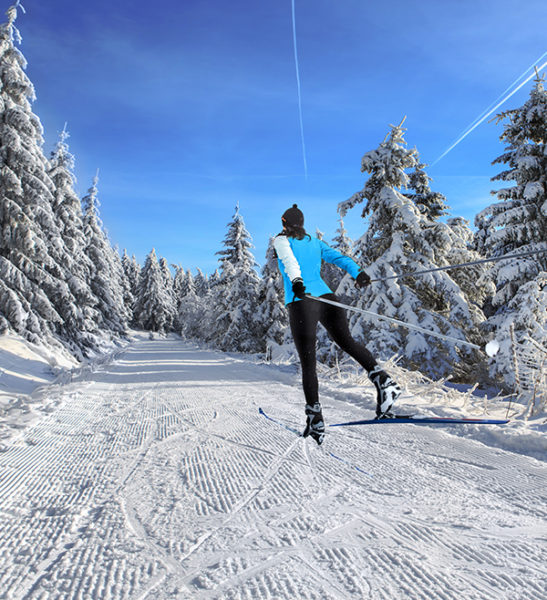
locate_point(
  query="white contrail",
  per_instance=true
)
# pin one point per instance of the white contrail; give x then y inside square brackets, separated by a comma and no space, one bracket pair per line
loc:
[504,97]
[297,67]
[506,91]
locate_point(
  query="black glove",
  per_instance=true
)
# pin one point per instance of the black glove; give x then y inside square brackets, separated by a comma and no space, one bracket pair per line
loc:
[298,288]
[362,280]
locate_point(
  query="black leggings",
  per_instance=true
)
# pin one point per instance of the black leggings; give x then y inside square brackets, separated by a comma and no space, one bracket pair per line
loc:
[303,318]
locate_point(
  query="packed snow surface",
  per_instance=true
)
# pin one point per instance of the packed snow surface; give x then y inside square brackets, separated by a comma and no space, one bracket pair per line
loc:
[153,476]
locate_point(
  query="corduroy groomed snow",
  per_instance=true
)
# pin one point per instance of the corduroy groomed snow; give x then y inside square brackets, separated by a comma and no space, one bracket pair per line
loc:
[293,217]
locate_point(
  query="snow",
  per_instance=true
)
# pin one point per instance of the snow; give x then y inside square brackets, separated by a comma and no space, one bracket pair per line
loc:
[150,474]
[492,348]
[24,368]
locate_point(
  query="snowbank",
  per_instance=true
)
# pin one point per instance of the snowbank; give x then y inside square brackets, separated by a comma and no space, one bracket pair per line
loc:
[24,369]
[27,372]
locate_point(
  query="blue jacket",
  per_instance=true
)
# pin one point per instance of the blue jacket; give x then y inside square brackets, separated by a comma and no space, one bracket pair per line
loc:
[303,258]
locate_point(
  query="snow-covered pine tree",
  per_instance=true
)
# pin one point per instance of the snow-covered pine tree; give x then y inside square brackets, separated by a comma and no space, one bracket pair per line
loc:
[170,289]
[212,298]
[201,282]
[166,274]
[343,243]
[179,290]
[190,309]
[32,254]
[272,314]
[217,315]
[401,238]
[236,293]
[526,315]
[455,244]
[473,280]
[180,282]
[125,285]
[67,208]
[132,270]
[154,304]
[106,283]
[431,204]
[213,279]
[518,223]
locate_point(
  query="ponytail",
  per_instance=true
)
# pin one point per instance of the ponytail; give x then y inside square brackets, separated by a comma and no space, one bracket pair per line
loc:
[295,231]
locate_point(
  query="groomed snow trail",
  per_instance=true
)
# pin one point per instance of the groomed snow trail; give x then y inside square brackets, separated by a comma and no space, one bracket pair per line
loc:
[156,478]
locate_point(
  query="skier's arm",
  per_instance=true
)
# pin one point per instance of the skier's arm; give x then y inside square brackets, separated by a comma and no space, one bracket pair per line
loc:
[335,257]
[285,254]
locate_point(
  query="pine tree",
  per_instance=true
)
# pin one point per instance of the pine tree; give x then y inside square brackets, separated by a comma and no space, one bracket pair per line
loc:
[474,281]
[153,307]
[236,292]
[213,280]
[166,274]
[170,290]
[453,242]
[403,237]
[237,244]
[217,318]
[131,271]
[105,282]
[32,280]
[343,243]
[431,204]
[82,324]
[202,284]
[190,310]
[124,285]
[272,315]
[518,223]
[180,282]
[526,315]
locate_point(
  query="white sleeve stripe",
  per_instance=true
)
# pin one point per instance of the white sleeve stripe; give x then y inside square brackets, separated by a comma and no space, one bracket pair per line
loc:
[286,256]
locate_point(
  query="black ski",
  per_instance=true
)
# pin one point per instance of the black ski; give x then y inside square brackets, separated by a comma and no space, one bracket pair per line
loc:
[416,420]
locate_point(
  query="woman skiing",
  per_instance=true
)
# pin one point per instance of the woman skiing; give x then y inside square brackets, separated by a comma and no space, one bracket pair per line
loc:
[299,259]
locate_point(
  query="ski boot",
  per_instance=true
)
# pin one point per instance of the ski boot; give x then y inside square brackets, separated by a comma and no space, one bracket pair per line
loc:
[315,426]
[388,391]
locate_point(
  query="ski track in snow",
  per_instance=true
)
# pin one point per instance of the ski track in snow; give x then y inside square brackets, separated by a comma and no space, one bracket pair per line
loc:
[157,479]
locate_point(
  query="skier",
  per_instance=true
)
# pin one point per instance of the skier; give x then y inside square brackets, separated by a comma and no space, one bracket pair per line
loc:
[299,259]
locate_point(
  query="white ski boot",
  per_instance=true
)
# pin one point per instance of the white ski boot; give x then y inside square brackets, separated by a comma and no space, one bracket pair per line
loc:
[315,426]
[387,392]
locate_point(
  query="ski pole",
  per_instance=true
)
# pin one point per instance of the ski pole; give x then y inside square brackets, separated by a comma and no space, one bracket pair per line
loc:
[491,348]
[458,266]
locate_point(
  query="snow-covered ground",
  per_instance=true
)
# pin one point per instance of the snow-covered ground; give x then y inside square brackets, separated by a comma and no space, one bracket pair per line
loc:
[152,475]
[28,376]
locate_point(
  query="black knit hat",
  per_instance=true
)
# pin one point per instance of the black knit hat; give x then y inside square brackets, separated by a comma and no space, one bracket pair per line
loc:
[293,217]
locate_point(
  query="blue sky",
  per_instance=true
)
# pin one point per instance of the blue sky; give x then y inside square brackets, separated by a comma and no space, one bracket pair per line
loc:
[190,106]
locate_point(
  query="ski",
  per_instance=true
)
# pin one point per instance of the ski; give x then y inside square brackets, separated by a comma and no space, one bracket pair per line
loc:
[280,423]
[299,434]
[416,420]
